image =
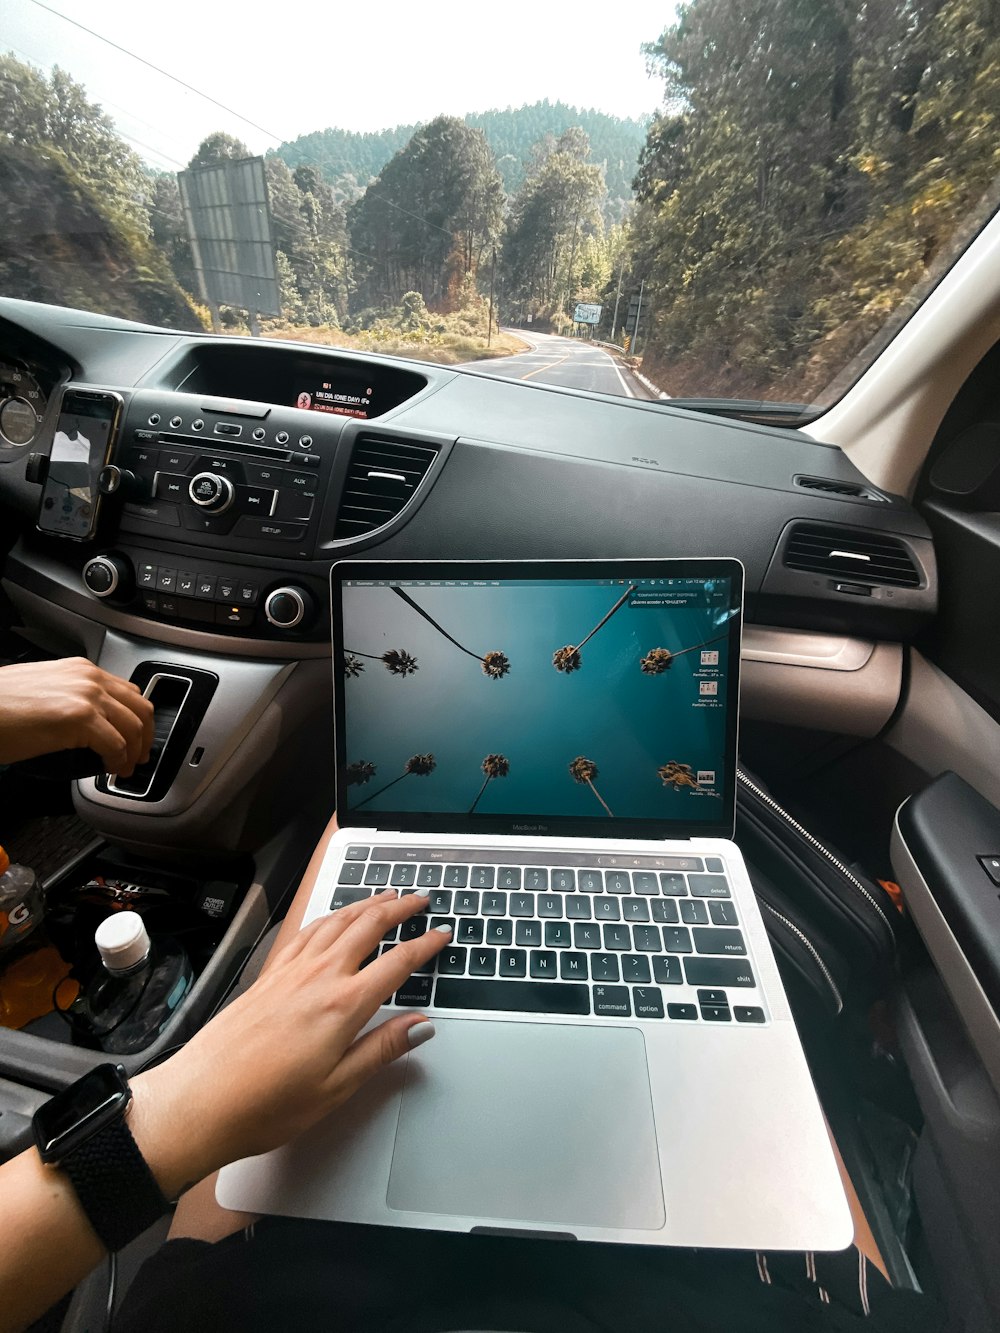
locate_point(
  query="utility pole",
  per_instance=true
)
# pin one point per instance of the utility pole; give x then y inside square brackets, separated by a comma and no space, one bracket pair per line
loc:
[638,312]
[618,297]
[493,271]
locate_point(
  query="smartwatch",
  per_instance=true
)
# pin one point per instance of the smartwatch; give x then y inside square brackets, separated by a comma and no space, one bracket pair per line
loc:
[82,1130]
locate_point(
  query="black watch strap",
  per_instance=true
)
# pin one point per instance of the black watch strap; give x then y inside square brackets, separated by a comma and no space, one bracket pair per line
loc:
[114,1184]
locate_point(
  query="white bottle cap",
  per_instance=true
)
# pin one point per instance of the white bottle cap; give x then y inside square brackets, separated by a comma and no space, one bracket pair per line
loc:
[122,940]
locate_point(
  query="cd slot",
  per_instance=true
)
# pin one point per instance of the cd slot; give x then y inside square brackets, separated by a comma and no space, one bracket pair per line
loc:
[215,446]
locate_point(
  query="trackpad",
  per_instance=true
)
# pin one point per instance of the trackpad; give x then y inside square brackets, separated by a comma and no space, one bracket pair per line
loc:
[531,1123]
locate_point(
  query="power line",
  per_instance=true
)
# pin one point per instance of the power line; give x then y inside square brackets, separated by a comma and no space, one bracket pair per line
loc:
[149,65]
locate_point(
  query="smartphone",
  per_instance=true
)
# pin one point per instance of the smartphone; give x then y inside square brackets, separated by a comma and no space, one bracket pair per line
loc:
[85,432]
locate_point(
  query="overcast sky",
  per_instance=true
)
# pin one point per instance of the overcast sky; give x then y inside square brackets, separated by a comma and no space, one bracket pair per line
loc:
[301,66]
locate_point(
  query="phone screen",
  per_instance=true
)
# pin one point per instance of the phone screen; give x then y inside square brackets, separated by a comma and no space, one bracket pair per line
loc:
[79,451]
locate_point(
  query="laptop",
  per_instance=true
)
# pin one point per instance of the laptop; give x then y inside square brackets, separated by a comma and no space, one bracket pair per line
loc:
[549,750]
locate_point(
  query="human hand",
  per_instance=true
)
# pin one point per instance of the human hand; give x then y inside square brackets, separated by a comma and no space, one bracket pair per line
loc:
[70,704]
[284,1054]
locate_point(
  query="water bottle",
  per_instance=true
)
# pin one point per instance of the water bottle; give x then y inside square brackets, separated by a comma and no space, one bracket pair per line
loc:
[137,989]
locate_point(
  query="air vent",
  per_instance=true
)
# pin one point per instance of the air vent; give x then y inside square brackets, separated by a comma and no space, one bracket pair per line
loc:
[863,557]
[831,487]
[381,480]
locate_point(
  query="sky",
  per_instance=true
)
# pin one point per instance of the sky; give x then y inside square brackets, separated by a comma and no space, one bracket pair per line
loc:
[304,65]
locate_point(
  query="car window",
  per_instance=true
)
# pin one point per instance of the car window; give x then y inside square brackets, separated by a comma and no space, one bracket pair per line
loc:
[741,202]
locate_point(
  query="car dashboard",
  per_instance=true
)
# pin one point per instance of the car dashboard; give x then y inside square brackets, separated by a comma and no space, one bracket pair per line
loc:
[242,469]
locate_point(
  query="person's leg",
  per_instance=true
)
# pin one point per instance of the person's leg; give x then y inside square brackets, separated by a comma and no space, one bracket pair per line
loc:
[198,1215]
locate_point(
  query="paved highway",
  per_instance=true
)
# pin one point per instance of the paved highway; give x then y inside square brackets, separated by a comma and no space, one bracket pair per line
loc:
[569,362]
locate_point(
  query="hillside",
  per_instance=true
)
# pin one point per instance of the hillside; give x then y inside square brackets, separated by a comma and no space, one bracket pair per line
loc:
[349,160]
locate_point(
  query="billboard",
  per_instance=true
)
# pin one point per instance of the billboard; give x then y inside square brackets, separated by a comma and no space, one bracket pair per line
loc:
[587,314]
[228,221]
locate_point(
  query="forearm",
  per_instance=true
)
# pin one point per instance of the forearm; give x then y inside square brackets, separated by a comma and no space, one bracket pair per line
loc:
[49,1245]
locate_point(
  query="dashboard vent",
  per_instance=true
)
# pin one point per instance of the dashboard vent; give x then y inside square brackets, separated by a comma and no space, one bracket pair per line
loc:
[854,553]
[831,487]
[381,480]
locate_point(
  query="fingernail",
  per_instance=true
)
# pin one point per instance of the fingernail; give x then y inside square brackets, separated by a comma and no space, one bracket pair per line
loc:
[419,893]
[386,893]
[419,1033]
[443,930]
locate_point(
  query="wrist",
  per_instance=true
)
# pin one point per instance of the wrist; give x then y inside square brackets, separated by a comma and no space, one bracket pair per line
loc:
[168,1121]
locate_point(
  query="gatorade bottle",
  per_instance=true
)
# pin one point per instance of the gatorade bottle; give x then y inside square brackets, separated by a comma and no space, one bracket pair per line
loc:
[21,906]
[138,988]
[30,966]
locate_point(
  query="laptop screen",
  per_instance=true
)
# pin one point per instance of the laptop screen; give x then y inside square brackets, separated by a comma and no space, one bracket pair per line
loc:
[537,697]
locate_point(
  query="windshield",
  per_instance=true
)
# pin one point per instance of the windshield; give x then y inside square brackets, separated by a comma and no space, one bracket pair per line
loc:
[727,200]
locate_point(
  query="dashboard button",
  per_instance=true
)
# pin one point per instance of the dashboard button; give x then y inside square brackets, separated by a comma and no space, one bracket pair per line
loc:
[225,590]
[175,422]
[249,592]
[168,606]
[306,460]
[234,615]
[186,582]
[166,580]
[176,460]
[281,437]
[302,481]
[198,425]
[164,513]
[305,442]
[141,459]
[225,467]
[154,418]
[205,587]
[255,500]
[257,528]
[259,433]
[293,505]
[149,600]
[145,576]
[169,486]
[228,428]
[218,525]
[264,476]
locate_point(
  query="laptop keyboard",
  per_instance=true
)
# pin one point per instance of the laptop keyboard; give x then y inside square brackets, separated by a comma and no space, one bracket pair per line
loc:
[558,934]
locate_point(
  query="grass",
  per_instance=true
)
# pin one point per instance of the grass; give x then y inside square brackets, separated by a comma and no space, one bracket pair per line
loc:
[448,349]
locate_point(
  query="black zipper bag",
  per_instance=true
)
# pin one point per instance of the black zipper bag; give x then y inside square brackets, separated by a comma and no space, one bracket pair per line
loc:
[832,927]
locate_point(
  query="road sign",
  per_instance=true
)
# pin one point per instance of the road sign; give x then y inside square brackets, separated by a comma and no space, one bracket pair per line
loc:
[587,314]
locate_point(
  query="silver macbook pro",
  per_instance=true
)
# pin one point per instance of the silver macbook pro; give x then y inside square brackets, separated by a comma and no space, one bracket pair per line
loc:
[549,750]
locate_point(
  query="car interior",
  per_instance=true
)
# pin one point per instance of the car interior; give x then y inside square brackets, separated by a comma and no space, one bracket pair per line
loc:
[870,706]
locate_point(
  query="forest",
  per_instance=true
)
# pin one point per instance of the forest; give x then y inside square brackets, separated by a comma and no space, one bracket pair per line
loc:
[811,169]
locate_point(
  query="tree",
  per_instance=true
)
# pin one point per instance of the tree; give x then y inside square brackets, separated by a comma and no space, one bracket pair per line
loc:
[426,221]
[557,207]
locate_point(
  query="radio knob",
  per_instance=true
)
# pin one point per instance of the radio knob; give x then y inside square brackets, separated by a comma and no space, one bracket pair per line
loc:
[108,575]
[289,608]
[212,492]
[114,480]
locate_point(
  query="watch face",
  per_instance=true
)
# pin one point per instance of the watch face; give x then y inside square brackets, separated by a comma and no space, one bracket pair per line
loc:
[71,1116]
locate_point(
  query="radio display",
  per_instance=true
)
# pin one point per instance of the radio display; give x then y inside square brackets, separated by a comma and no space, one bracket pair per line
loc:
[341,398]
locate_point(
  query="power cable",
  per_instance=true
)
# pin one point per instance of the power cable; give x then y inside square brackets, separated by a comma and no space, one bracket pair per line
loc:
[214,100]
[166,74]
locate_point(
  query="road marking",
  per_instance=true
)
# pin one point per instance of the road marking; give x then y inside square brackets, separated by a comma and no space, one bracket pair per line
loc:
[621,377]
[547,367]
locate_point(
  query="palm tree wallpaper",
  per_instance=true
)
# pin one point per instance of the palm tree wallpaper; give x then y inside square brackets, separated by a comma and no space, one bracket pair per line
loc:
[590,699]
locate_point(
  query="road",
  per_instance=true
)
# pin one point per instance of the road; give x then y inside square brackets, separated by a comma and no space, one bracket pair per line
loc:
[567,362]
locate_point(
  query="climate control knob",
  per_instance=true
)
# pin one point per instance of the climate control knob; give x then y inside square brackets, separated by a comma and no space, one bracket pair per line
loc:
[289,608]
[108,575]
[211,492]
